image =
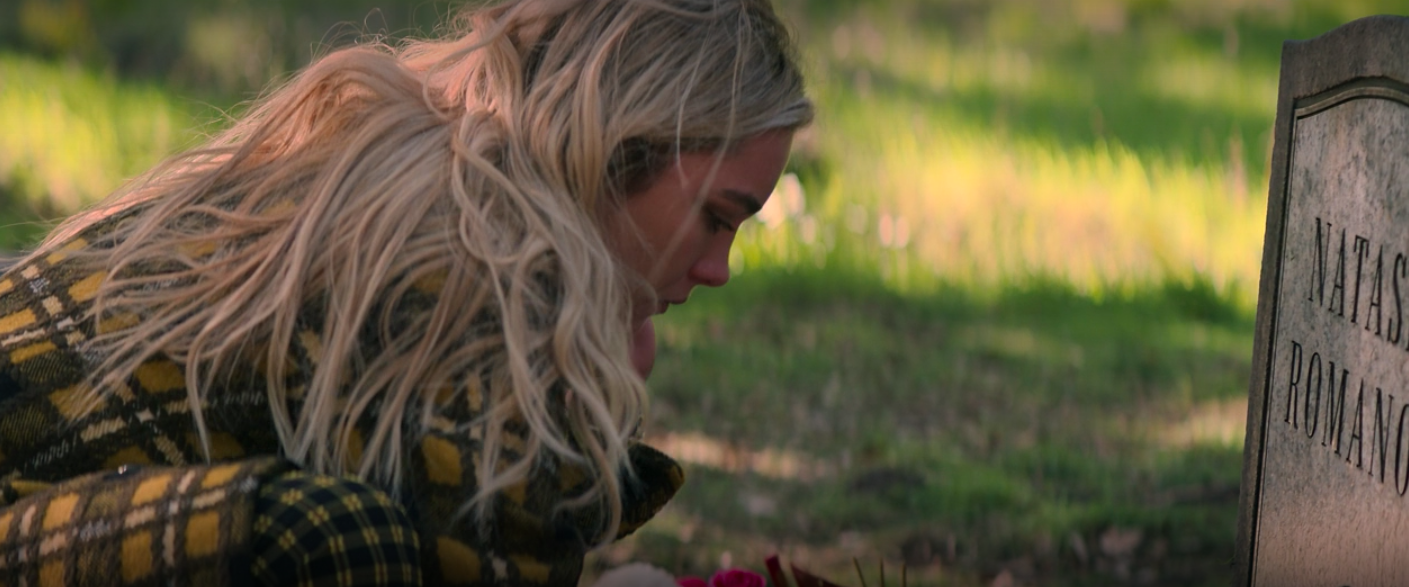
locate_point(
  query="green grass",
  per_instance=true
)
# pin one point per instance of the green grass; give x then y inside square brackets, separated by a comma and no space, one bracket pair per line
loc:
[1006,424]
[999,315]
[71,136]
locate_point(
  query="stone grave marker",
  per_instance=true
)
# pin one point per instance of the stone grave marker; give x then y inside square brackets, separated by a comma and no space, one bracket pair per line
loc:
[1325,488]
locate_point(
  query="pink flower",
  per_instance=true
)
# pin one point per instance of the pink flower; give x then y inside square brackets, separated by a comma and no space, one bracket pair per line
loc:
[691,582]
[737,578]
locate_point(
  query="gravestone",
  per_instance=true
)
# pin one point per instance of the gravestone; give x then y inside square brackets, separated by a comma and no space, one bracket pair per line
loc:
[1325,499]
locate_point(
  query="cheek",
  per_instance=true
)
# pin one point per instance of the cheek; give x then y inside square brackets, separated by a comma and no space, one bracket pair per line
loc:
[698,247]
[638,239]
[702,260]
[672,246]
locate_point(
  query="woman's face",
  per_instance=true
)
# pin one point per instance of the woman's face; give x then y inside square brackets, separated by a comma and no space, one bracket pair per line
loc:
[676,233]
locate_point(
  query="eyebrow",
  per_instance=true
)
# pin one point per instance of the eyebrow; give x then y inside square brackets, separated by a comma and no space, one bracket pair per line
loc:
[745,200]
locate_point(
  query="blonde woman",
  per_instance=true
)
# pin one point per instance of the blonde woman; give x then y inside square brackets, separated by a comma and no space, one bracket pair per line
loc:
[392,327]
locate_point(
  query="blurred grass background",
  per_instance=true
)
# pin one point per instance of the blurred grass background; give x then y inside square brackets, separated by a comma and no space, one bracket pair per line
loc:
[994,325]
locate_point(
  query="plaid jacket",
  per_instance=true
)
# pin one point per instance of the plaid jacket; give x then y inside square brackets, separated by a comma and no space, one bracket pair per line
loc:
[85,524]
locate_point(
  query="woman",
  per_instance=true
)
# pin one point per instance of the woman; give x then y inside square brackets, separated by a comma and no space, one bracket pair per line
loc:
[431,268]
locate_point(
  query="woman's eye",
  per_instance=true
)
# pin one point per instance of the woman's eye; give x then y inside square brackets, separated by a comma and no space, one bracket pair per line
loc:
[716,223]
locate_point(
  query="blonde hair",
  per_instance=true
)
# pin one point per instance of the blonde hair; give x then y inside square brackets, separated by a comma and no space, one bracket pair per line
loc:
[476,168]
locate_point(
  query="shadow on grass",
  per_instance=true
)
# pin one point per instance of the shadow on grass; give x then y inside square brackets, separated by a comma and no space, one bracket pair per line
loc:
[1104,92]
[1034,431]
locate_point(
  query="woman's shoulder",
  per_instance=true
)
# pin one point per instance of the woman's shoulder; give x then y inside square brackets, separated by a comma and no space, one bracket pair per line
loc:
[538,534]
[45,300]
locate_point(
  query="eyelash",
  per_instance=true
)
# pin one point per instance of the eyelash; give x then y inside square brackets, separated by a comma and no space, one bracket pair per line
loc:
[715,223]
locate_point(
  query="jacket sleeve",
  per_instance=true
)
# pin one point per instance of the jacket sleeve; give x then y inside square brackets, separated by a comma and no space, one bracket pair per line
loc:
[531,538]
[135,526]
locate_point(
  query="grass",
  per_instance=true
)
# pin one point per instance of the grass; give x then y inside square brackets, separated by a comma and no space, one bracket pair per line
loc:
[1009,154]
[71,136]
[996,432]
[996,321]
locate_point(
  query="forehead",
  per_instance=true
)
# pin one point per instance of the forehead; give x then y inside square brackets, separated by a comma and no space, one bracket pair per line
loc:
[760,157]
[755,163]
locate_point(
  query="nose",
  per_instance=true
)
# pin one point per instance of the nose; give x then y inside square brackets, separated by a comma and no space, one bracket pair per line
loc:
[712,268]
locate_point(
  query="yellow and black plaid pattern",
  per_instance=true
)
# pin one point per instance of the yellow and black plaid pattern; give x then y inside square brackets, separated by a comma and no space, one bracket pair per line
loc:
[47,436]
[316,530]
[153,526]
[47,431]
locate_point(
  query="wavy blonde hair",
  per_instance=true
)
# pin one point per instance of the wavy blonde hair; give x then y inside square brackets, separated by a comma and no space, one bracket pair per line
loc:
[479,166]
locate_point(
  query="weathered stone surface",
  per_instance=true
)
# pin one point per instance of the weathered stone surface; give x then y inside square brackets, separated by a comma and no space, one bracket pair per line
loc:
[1325,498]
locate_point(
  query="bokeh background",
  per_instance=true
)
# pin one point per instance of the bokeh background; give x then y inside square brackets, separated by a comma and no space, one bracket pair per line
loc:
[995,326]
